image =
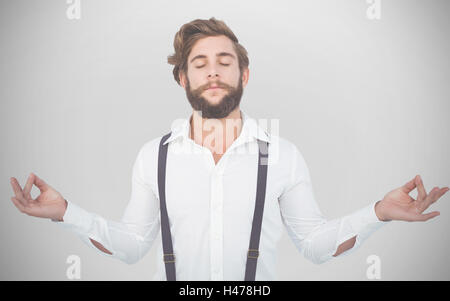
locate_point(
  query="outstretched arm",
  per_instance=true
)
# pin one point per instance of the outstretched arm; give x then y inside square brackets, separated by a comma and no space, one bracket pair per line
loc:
[319,239]
[399,205]
[127,240]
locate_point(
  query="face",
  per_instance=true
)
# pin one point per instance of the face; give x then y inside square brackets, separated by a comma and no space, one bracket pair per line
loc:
[214,83]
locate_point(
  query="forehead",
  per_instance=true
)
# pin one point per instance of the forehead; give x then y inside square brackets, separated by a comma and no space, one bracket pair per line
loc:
[210,46]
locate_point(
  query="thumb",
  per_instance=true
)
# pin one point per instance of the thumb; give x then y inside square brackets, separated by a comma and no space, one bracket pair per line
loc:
[40,183]
[408,187]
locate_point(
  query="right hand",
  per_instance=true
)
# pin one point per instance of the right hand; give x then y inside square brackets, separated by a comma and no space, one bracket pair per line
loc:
[49,204]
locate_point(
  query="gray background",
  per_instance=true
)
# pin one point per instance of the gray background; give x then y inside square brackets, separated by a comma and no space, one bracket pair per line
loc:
[366,102]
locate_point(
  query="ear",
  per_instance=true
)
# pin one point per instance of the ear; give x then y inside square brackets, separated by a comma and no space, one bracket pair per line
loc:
[182,79]
[245,75]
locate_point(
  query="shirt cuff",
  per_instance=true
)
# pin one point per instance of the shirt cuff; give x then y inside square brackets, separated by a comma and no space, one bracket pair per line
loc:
[366,219]
[77,218]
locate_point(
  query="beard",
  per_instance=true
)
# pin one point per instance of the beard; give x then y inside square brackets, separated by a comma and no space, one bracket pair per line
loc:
[223,108]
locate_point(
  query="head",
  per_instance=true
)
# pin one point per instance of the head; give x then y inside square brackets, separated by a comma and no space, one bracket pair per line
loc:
[211,65]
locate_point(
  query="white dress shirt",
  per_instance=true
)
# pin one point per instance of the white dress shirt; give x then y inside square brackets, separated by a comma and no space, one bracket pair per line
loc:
[210,208]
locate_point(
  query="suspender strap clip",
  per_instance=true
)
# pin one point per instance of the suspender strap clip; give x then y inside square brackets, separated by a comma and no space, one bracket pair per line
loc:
[169,258]
[252,253]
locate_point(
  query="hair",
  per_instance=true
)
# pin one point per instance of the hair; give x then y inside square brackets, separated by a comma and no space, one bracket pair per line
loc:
[195,30]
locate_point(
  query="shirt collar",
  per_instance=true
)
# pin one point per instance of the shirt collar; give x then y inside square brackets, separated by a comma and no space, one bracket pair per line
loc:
[250,130]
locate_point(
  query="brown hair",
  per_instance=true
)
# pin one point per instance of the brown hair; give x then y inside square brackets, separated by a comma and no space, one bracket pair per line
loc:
[197,29]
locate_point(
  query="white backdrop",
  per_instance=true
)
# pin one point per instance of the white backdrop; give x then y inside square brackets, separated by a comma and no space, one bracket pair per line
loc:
[365,100]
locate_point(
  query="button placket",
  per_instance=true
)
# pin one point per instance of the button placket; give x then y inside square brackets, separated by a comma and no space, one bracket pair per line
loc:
[216,216]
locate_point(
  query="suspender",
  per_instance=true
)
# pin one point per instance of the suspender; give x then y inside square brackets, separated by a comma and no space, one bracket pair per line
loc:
[253,251]
[169,256]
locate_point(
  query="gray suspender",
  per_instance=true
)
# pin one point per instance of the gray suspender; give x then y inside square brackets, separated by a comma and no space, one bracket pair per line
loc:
[169,257]
[253,253]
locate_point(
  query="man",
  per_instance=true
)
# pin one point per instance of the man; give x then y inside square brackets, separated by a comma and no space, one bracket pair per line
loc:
[211,182]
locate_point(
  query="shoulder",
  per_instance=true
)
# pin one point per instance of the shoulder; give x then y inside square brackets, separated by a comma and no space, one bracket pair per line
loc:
[148,152]
[146,163]
[289,162]
[151,145]
[284,151]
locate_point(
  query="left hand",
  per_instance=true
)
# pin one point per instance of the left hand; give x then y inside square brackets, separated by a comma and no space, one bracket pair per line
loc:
[398,205]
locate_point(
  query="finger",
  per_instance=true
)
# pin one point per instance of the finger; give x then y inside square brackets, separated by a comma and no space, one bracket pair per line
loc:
[29,209]
[40,183]
[422,194]
[424,205]
[408,187]
[436,195]
[18,190]
[28,186]
[18,204]
[427,216]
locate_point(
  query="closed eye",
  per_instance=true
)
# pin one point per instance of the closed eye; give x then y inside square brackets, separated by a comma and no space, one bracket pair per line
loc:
[204,65]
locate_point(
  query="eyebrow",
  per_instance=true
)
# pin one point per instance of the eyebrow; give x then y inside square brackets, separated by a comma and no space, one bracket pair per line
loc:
[202,56]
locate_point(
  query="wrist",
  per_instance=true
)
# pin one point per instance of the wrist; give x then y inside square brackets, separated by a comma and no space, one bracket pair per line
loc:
[61,215]
[379,212]
[65,208]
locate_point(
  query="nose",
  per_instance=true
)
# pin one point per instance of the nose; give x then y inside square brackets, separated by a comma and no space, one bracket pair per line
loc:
[212,72]
[213,75]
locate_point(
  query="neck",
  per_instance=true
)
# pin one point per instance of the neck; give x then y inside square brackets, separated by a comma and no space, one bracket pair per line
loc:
[216,134]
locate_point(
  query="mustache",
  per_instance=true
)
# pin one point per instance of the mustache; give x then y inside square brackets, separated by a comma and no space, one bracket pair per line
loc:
[216,84]
[198,91]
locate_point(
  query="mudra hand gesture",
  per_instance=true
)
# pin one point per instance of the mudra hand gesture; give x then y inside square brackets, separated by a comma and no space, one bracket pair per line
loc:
[49,203]
[398,205]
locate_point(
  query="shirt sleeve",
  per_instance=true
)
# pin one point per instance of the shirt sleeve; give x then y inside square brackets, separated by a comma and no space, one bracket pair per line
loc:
[131,238]
[313,235]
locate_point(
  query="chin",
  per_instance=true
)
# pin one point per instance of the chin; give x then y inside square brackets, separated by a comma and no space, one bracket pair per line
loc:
[215,101]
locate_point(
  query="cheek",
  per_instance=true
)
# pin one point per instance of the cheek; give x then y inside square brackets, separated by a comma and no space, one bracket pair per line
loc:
[194,79]
[233,76]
